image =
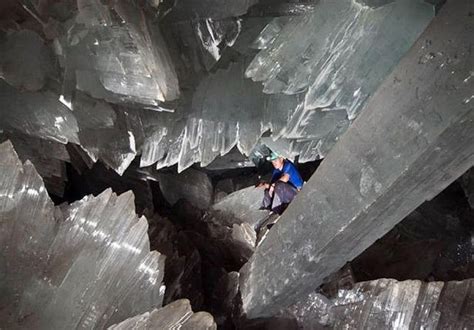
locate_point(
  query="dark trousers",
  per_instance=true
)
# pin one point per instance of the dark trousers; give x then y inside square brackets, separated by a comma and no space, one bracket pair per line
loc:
[283,194]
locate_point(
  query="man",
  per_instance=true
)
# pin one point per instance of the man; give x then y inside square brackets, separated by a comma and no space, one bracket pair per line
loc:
[285,183]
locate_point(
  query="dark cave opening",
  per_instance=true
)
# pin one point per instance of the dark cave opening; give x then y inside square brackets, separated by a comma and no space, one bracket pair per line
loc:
[433,243]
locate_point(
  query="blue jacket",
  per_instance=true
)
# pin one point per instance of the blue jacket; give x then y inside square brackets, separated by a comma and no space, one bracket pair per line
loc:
[290,169]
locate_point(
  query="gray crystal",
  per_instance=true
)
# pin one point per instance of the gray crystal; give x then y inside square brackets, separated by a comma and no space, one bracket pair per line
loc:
[215,35]
[232,159]
[163,139]
[234,243]
[177,315]
[270,33]
[79,158]
[467,182]
[251,27]
[280,110]
[25,232]
[390,304]
[242,207]
[245,237]
[348,56]
[283,147]
[335,68]
[206,40]
[200,320]
[38,114]
[191,185]
[309,131]
[104,133]
[208,131]
[115,53]
[314,312]
[241,122]
[48,157]
[87,264]
[317,123]
[411,141]
[26,62]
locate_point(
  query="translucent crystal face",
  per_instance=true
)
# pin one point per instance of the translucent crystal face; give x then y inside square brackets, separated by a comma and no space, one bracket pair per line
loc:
[86,263]
[380,170]
[184,86]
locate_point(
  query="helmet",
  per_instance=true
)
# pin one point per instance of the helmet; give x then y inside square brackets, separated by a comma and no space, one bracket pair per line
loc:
[273,156]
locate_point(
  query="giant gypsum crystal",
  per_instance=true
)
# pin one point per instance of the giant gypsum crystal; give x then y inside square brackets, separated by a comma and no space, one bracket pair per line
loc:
[335,57]
[112,52]
[390,304]
[87,264]
[177,315]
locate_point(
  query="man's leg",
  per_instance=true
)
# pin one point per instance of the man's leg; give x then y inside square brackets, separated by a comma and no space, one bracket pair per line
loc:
[267,200]
[266,205]
[283,194]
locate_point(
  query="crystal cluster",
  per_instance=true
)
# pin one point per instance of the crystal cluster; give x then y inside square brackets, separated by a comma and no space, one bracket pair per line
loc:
[390,304]
[111,52]
[411,141]
[87,264]
[332,59]
[170,83]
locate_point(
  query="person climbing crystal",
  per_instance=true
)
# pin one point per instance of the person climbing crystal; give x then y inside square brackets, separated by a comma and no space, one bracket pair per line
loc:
[285,183]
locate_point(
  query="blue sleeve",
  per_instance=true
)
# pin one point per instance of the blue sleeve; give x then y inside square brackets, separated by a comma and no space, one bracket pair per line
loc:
[275,175]
[287,169]
[295,177]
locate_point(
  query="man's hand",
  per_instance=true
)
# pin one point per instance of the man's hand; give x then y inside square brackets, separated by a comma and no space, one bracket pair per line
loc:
[284,178]
[263,185]
[271,188]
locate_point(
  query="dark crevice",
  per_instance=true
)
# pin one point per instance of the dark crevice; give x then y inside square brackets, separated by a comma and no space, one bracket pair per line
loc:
[434,243]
